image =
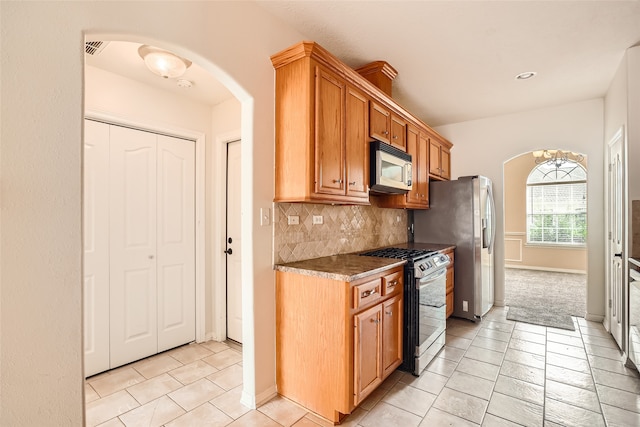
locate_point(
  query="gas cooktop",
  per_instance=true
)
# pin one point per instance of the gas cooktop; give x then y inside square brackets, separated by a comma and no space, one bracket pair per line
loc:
[399,253]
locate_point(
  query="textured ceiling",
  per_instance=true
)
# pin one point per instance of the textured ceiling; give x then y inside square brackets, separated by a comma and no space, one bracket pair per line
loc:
[457,61]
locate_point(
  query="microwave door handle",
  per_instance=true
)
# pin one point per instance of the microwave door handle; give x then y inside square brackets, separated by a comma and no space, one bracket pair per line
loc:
[408,170]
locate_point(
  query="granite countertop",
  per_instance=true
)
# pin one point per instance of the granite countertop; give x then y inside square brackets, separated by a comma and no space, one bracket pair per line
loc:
[344,267]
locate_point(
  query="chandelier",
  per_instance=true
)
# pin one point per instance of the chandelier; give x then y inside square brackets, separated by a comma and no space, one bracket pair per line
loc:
[556,157]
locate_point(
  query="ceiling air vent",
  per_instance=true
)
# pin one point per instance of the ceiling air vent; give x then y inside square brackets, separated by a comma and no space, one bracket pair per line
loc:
[94,48]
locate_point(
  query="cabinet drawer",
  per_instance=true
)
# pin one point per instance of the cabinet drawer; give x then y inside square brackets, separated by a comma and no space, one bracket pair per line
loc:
[392,283]
[367,293]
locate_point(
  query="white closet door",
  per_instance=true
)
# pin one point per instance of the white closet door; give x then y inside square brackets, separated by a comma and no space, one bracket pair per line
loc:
[96,247]
[176,242]
[133,312]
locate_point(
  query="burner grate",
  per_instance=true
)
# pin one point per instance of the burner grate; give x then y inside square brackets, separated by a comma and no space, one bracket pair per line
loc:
[399,253]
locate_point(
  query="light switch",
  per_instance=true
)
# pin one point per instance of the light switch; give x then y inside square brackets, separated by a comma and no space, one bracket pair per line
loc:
[317,219]
[265,216]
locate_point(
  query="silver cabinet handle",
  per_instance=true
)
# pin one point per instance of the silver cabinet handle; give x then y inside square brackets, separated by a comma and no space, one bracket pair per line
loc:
[376,321]
[395,136]
[392,284]
[337,181]
[390,313]
[352,183]
[368,293]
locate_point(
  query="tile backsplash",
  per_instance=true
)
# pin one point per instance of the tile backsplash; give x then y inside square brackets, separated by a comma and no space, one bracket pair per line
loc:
[344,229]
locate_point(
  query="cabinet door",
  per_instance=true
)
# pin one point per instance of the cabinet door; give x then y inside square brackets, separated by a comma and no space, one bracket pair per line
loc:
[413,196]
[423,170]
[434,157]
[329,138]
[398,132]
[445,163]
[379,122]
[356,141]
[391,335]
[367,366]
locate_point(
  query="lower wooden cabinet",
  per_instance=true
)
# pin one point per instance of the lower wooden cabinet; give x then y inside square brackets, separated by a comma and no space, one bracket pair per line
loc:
[336,341]
[450,284]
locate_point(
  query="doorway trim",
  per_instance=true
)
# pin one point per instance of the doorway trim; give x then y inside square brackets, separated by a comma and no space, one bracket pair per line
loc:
[218,258]
[200,142]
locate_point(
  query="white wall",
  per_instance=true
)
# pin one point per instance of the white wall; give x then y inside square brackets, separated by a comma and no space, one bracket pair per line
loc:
[41,136]
[482,146]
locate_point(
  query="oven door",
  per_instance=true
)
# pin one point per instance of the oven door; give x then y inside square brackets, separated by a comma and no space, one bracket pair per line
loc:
[432,318]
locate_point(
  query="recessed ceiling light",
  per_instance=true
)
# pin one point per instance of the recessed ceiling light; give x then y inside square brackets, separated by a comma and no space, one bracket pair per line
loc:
[526,75]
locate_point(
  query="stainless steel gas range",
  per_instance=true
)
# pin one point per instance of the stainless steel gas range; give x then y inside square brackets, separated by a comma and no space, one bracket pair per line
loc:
[424,303]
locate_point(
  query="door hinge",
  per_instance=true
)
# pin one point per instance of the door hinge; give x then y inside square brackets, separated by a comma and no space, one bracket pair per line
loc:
[609,235]
[610,164]
[610,303]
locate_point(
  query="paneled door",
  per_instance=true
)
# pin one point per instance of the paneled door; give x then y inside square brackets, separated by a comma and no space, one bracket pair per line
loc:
[175,241]
[616,226]
[234,239]
[139,244]
[133,221]
[96,247]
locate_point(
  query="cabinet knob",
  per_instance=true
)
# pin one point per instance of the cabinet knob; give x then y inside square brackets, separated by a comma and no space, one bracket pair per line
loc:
[395,136]
[337,181]
[386,132]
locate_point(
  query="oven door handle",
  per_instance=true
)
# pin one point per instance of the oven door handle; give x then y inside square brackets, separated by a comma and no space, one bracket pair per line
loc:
[426,281]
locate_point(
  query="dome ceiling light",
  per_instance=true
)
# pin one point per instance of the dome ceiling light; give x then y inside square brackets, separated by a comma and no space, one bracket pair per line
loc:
[162,62]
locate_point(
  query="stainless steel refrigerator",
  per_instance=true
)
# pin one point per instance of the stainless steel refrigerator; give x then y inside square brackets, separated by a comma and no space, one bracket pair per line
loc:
[462,212]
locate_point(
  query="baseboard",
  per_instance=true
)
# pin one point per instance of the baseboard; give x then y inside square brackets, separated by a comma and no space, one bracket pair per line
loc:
[554,270]
[499,303]
[594,318]
[253,402]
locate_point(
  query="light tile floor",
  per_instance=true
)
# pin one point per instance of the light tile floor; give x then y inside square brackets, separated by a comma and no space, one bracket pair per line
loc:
[493,373]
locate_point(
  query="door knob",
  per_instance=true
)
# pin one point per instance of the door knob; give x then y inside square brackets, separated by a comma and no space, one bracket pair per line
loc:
[228,251]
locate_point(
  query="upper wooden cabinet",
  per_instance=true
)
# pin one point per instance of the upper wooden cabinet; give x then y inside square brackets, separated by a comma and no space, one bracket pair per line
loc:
[387,127]
[326,115]
[439,158]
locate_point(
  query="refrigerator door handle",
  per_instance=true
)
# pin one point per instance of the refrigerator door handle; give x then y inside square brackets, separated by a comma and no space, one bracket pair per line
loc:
[492,238]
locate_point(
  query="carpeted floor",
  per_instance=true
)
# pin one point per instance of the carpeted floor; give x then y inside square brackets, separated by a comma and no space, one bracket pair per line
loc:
[560,292]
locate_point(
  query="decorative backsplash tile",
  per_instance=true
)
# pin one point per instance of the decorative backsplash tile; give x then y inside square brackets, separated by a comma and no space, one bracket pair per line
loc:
[344,229]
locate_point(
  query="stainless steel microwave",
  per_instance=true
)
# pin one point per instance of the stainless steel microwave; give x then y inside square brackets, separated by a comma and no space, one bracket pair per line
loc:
[390,169]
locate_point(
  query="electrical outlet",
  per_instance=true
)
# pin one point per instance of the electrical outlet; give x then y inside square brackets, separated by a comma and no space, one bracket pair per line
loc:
[265,216]
[293,219]
[465,305]
[317,219]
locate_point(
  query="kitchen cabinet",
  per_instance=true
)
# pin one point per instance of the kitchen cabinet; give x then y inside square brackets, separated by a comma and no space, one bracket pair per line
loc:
[439,158]
[450,284]
[337,340]
[321,137]
[418,196]
[387,127]
[326,115]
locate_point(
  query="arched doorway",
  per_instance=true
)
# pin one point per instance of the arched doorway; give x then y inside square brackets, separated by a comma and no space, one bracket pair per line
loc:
[545,215]
[130,101]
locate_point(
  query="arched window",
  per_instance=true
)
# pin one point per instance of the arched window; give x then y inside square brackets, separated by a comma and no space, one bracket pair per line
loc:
[557,204]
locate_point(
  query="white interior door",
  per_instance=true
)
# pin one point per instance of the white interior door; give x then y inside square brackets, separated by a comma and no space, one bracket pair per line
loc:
[175,242]
[133,296]
[616,220]
[234,261]
[96,247]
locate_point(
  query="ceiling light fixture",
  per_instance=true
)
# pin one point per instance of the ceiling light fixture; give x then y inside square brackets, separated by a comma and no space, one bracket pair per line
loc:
[162,62]
[526,75]
[556,157]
